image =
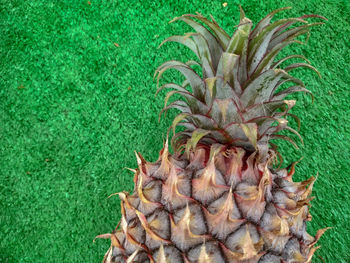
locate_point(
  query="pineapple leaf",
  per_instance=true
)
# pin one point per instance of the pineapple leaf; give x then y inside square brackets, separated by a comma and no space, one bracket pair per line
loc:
[210,90]
[276,64]
[299,65]
[167,97]
[189,126]
[296,133]
[195,81]
[259,89]
[171,86]
[265,125]
[251,131]
[202,121]
[193,101]
[282,94]
[291,34]
[269,56]
[241,13]
[237,133]
[178,104]
[285,138]
[178,119]
[214,46]
[196,136]
[179,140]
[301,17]
[259,45]
[215,149]
[236,100]
[231,93]
[260,119]
[192,63]
[226,72]
[296,118]
[198,44]
[286,78]
[228,62]
[240,37]
[185,83]
[220,33]
[225,111]
[184,40]
[239,45]
[274,148]
[265,21]
[204,55]
[262,109]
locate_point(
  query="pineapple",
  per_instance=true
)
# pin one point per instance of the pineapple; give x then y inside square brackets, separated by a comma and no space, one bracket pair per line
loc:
[221,197]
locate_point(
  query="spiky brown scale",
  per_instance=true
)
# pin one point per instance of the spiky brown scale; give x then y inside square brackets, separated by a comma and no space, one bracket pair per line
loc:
[220,227]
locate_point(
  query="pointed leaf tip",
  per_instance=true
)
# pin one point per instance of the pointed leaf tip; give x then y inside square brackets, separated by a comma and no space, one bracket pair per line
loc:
[178,119]
[251,131]
[196,136]
[241,13]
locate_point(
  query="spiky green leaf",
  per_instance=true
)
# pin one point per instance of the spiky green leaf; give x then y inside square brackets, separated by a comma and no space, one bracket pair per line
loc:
[214,46]
[220,33]
[178,119]
[291,34]
[259,45]
[196,136]
[260,89]
[184,40]
[265,21]
[195,81]
[282,94]
[251,131]
[285,138]
[279,62]
[302,65]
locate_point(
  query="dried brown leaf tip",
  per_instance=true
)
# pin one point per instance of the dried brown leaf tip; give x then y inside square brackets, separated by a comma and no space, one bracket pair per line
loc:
[116,44]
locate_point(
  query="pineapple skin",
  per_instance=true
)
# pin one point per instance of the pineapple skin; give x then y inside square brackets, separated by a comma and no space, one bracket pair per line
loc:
[219,204]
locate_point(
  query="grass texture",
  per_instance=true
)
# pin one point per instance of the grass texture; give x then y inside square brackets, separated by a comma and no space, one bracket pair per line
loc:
[77,99]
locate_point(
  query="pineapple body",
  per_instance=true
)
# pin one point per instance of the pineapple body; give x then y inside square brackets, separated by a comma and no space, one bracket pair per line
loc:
[218,198]
[220,205]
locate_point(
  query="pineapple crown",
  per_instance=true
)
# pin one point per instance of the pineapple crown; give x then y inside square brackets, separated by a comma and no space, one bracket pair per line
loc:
[236,102]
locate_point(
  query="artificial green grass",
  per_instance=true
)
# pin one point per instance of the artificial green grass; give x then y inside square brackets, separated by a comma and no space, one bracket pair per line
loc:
[77,98]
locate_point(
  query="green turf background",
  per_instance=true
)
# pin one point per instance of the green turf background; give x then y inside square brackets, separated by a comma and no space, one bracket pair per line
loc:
[74,107]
